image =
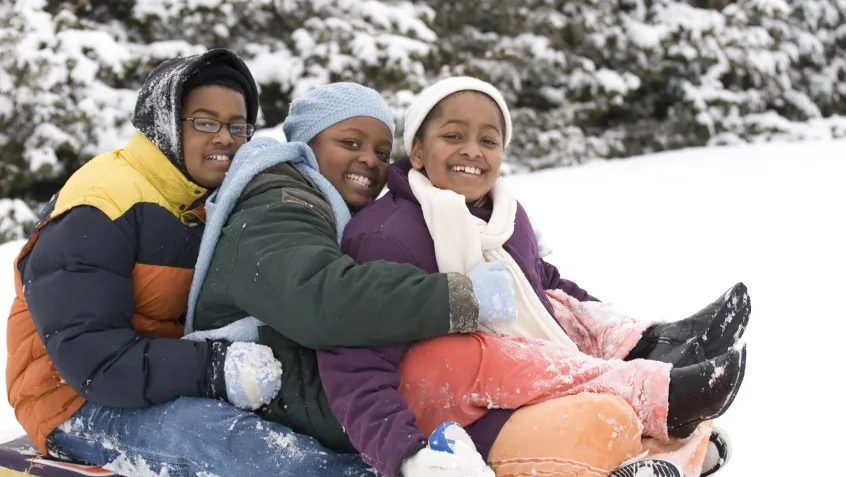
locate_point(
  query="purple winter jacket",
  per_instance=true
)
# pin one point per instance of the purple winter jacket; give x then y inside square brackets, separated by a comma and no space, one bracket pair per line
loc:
[362,384]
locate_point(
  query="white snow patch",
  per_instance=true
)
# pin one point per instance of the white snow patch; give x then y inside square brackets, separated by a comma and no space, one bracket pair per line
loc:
[718,371]
[138,467]
[14,213]
[663,235]
[643,35]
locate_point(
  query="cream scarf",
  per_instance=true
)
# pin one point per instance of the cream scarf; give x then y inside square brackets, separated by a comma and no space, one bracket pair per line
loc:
[463,241]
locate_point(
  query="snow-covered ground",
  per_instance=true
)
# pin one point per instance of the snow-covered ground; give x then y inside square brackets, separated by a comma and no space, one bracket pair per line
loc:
[663,235]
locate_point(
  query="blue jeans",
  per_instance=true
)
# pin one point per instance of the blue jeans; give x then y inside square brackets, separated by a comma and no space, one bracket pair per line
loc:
[197,437]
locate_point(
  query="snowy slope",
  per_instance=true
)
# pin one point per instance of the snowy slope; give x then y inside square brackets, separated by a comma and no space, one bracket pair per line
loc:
[663,235]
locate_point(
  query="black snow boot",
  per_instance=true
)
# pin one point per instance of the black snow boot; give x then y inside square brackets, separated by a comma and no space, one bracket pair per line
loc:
[648,468]
[704,391]
[705,335]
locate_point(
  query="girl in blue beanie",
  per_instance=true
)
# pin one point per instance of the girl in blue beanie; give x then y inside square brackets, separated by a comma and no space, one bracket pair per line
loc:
[270,268]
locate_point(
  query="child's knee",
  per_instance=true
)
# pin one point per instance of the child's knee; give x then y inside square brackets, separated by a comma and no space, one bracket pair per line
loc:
[615,416]
[448,362]
[436,378]
[573,435]
[446,356]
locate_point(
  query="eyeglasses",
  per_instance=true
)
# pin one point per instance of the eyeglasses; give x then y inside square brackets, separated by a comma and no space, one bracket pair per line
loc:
[212,126]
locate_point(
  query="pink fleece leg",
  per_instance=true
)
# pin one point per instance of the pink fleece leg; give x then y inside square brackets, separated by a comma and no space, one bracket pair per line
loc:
[460,377]
[598,329]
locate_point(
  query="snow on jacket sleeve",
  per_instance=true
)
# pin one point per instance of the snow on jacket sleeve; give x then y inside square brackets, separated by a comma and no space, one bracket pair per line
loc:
[78,286]
[553,281]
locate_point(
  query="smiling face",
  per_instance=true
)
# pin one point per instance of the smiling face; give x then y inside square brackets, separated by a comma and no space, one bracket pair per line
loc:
[460,145]
[209,155]
[354,155]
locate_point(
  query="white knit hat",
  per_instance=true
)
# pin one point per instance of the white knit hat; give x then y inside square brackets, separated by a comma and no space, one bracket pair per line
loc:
[431,96]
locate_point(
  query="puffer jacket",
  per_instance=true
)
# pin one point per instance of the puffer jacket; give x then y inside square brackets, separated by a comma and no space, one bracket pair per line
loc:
[101,287]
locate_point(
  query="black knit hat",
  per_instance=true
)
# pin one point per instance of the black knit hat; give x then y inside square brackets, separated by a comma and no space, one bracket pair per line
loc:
[213,74]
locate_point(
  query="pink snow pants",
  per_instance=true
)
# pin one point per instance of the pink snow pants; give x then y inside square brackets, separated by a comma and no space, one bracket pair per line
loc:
[461,377]
[580,414]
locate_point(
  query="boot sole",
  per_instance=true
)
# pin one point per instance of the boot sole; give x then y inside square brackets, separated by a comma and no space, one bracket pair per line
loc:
[657,468]
[733,329]
[722,442]
[687,428]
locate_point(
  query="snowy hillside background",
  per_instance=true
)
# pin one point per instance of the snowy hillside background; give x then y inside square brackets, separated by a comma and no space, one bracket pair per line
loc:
[586,79]
[663,235]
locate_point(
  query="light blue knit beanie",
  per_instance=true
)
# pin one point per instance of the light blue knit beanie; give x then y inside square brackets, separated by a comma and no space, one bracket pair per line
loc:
[330,104]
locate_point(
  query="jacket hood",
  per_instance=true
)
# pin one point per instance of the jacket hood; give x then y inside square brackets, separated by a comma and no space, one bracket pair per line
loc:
[397,180]
[158,109]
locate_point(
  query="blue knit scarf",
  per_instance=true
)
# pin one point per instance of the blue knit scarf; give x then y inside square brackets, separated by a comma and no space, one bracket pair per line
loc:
[253,158]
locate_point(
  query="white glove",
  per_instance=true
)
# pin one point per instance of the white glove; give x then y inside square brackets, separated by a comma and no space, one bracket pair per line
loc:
[464,462]
[253,375]
[460,459]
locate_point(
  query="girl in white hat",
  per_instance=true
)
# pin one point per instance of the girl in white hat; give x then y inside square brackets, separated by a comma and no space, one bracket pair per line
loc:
[447,210]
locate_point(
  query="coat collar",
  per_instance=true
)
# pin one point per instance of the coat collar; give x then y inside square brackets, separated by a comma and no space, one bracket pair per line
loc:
[398,185]
[179,192]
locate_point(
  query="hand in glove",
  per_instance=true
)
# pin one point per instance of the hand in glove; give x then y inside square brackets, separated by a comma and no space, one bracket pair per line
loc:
[252,376]
[494,291]
[450,453]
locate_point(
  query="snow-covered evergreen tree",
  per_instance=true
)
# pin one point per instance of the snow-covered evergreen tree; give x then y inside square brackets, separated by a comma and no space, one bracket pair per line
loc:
[586,79]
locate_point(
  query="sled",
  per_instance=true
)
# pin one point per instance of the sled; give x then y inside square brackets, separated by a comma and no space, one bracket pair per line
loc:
[20,458]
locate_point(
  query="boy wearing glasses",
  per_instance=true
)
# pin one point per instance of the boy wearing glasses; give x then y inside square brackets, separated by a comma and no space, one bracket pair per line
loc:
[214,122]
[95,362]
